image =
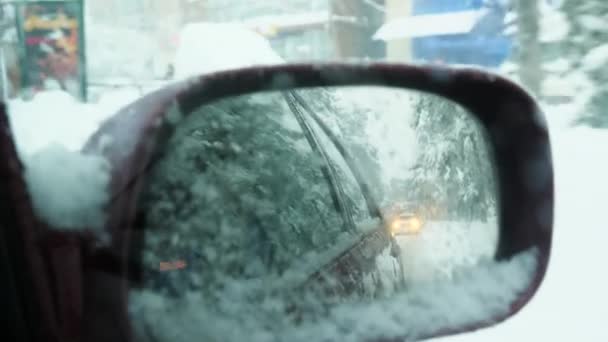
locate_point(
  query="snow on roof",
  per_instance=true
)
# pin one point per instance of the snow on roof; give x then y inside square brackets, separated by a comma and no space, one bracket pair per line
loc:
[210,47]
[292,21]
[429,25]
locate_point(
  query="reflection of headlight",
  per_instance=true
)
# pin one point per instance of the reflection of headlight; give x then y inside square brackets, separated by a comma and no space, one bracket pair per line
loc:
[415,225]
[409,226]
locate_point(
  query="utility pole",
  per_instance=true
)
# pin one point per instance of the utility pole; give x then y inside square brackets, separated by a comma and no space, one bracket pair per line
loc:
[346,28]
[353,23]
[398,49]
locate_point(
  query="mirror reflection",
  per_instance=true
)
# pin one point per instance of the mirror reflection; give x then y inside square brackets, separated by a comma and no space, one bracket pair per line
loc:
[269,211]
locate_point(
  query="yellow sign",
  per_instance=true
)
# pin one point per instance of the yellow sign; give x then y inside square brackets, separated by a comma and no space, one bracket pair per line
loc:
[60,22]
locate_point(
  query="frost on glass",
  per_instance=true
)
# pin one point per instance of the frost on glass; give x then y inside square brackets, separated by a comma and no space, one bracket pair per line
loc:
[257,227]
[453,169]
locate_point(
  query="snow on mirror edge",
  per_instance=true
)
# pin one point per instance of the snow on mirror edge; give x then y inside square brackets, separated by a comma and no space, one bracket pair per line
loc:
[471,296]
[68,189]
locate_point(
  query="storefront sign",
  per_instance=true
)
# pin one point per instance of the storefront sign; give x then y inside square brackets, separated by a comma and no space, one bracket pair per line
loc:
[51,35]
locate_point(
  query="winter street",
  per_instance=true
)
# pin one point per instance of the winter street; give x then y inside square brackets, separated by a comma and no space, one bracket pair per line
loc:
[580,233]
[572,296]
[303,170]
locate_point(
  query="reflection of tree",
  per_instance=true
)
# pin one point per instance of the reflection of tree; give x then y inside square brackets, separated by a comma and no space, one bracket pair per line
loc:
[453,171]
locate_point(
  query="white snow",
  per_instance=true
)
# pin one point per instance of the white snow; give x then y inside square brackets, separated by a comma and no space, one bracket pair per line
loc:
[269,24]
[571,304]
[113,100]
[443,247]
[593,22]
[471,295]
[102,44]
[212,47]
[68,188]
[48,118]
[596,58]
[554,26]
[558,65]
[574,85]
[429,25]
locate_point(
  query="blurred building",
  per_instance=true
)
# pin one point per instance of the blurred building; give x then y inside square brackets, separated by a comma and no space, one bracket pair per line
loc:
[399,49]
[306,29]
[447,31]
[298,30]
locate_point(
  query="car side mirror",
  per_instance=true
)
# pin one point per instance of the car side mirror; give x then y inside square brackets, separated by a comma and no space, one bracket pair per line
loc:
[144,144]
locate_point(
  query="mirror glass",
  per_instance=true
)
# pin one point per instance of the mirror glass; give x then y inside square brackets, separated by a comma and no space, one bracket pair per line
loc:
[322,213]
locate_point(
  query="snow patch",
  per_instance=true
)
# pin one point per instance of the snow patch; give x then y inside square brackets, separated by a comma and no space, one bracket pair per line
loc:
[554,25]
[68,189]
[57,117]
[443,247]
[559,65]
[211,47]
[429,25]
[111,101]
[472,295]
[596,58]
[593,22]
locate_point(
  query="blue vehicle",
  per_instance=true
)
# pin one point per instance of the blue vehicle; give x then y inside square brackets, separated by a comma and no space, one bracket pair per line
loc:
[485,45]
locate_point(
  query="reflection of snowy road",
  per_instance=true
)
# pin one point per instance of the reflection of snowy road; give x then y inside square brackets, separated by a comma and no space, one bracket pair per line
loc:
[442,246]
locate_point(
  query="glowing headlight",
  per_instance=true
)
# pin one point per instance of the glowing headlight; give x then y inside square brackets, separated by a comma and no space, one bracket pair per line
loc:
[406,226]
[414,225]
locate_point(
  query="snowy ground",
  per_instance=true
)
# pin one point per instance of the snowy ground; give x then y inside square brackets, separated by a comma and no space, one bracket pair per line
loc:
[572,303]
[443,247]
[59,118]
